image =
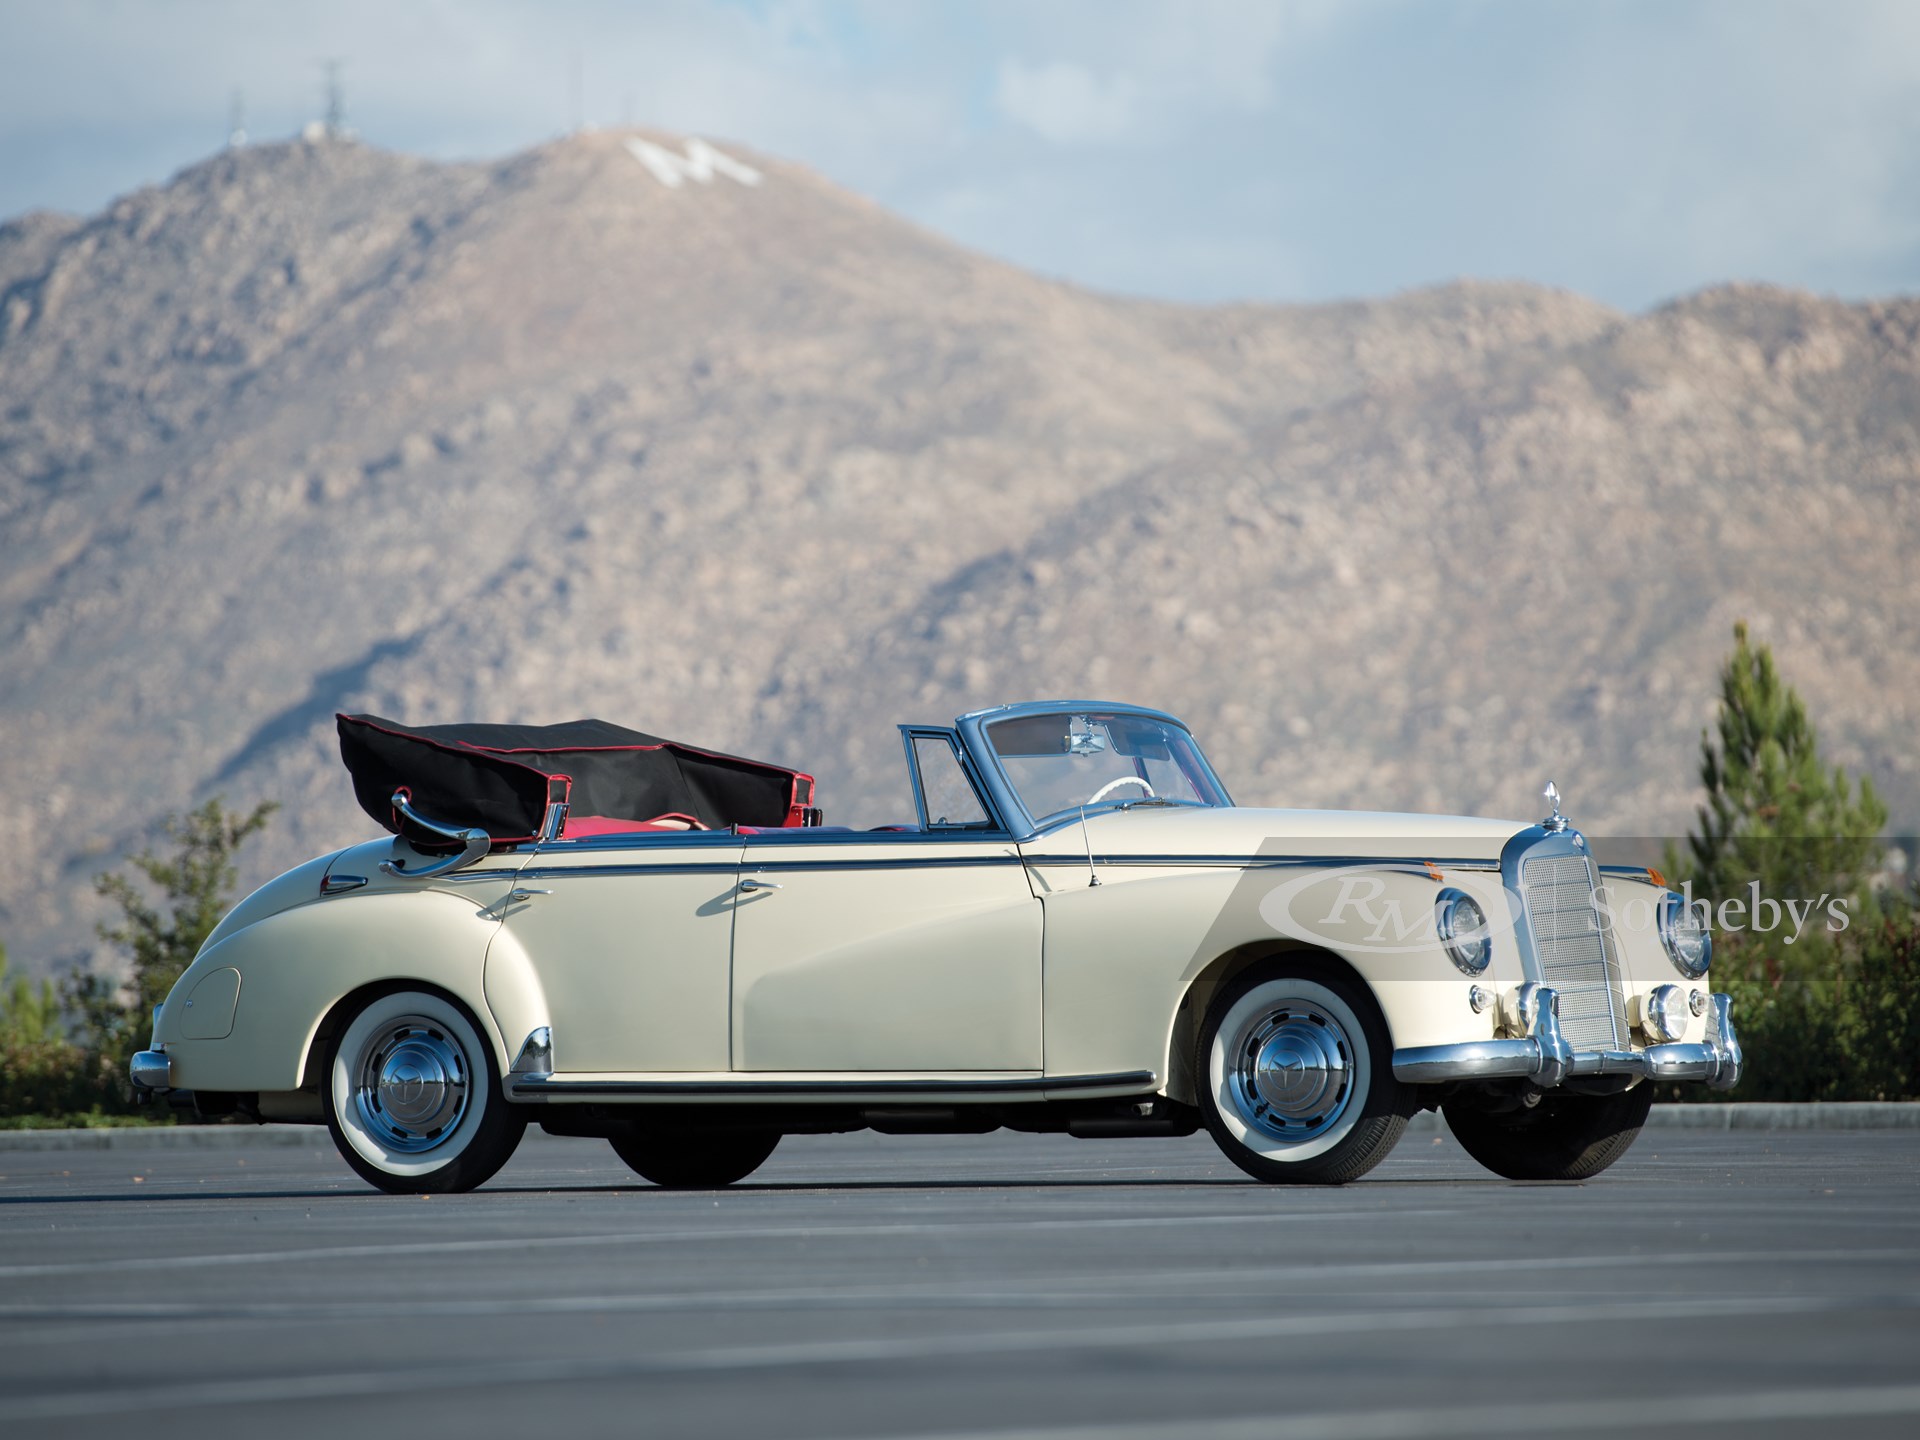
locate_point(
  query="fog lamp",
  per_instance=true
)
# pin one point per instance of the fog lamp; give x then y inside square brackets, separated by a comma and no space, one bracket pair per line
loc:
[1666,1013]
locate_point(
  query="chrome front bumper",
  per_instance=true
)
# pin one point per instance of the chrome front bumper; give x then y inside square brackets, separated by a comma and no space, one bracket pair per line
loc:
[1545,1057]
[152,1070]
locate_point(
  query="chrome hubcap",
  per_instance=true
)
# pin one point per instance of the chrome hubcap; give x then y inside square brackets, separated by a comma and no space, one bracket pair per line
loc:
[1292,1071]
[411,1084]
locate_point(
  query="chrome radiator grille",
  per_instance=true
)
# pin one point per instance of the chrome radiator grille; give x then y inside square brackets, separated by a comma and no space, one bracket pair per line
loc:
[1573,953]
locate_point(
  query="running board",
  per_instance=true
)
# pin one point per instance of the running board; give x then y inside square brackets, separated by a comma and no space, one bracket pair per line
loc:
[546,1089]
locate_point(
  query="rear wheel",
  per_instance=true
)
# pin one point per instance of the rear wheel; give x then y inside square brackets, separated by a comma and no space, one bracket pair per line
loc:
[413,1096]
[1295,1077]
[1563,1137]
[695,1160]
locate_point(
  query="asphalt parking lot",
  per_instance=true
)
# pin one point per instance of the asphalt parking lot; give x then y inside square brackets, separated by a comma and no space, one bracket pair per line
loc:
[1762,1282]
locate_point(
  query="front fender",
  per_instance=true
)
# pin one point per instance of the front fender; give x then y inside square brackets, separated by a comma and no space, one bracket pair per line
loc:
[1131,964]
[295,966]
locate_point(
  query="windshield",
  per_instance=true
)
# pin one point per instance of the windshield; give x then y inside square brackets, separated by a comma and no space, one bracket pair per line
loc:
[1058,763]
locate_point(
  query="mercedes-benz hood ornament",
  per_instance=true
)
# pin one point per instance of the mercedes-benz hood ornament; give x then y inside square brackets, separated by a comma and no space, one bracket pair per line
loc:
[1555,821]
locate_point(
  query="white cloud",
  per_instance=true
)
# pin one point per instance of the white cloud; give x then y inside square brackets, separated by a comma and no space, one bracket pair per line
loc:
[1062,102]
[1199,149]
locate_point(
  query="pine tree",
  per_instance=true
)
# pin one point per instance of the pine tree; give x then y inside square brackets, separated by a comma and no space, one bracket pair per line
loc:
[1819,1012]
[1775,812]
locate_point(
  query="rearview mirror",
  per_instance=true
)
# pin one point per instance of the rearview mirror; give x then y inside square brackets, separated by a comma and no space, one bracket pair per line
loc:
[1083,739]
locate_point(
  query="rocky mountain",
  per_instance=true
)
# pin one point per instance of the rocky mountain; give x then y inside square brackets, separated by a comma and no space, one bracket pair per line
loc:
[746,460]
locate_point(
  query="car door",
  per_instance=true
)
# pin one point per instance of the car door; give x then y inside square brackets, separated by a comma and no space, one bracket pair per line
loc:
[909,950]
[631,939]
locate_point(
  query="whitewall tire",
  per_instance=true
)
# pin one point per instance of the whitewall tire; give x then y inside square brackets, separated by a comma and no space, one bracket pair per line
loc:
[413,1096]
[1295,1079]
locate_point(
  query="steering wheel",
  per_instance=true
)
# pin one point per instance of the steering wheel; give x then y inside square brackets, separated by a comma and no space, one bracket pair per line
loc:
[1107,789]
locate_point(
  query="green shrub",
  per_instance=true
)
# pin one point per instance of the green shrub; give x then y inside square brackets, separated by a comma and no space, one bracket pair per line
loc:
[64,1058]
[42,1071]
[195,882]
[1855,1036]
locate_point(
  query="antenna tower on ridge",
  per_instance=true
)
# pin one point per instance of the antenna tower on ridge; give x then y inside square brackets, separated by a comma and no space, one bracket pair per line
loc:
[336,121]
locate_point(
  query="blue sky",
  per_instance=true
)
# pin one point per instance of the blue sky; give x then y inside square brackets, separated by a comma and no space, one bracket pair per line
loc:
[1205,150]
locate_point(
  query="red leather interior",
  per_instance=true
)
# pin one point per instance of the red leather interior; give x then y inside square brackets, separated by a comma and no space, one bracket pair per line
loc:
[580,826]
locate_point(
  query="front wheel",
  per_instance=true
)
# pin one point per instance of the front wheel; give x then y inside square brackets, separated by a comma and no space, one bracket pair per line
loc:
[413,1097]
[1563,1137]
[1294,1072]
[695,1160]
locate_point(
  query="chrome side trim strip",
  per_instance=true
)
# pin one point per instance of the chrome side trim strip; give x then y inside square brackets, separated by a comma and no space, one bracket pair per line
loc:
[645,840]
[561,872]
[910,862]
[538,1088]
[1268,862]
[757,865]
[780,838]
[950,835]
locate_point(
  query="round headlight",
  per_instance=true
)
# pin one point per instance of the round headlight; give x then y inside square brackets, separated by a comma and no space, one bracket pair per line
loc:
[1463,930]
[1666,1014]
[1689,943]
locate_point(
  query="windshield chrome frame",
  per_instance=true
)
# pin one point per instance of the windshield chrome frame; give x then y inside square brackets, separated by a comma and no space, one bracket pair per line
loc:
[975,746]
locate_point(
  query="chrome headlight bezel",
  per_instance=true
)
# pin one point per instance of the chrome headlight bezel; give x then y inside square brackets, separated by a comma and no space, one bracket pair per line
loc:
[1689,944]
[1462,927]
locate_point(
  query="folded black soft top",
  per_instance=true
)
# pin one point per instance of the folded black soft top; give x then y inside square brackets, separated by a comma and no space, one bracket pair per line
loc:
[499,778]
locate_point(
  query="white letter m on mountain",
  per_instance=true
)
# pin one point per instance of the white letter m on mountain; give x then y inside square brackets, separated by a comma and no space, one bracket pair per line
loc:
[701,163]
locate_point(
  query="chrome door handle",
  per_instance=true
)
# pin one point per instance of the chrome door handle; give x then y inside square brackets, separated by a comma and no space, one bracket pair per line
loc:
[518,895]
[751,884]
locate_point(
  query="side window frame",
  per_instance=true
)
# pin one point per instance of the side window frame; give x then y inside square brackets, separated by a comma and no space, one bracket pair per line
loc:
[994,825]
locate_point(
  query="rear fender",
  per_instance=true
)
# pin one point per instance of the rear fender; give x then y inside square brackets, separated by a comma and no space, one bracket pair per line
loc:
[296,966]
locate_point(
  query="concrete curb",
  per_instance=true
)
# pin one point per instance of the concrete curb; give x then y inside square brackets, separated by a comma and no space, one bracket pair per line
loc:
[166,1137]
[1834,1115]
[1817,1115]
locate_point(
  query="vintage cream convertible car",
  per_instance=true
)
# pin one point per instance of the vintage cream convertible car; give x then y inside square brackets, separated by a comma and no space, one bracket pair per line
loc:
[620,937]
